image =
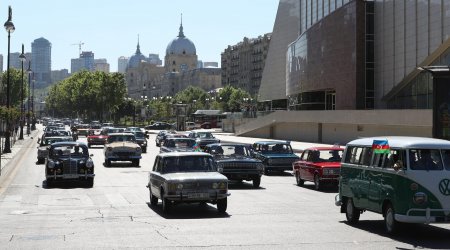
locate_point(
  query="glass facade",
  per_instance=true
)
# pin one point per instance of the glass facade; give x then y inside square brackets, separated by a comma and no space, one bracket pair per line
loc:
[408,34]
[325,65]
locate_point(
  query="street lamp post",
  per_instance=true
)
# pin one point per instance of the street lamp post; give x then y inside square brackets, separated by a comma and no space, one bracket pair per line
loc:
[9,26]
[22,58]
[33,122]
[29,97]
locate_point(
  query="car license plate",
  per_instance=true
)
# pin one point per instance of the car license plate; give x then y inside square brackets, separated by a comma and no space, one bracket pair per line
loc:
[70,176]
[198,195]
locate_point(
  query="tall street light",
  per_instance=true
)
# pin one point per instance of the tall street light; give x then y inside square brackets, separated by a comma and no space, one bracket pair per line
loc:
[33,122]
[22,59]
[9,26]
[29,97]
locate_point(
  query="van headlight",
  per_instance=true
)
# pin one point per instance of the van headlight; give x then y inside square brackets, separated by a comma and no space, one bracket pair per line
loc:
[420,198]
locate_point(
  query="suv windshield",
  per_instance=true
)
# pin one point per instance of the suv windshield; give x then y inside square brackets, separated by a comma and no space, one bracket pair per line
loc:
[140,135]
[188,164]
[277,148]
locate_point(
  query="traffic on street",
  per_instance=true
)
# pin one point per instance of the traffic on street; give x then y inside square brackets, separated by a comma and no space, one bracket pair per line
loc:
[115,209]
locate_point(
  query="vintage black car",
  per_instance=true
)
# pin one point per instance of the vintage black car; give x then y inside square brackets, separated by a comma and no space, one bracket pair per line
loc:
[187,177]
[44,146]
[177,144]
[158,126]
[161,136]
[203,137]
[275,155]
[234,160]
[69,161]
[141,139]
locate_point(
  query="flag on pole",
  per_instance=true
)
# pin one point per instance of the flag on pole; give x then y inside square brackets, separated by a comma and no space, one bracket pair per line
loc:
[197,148]
[380,146]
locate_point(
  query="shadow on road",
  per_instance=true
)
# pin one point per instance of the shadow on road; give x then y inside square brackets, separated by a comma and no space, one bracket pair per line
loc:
[278,173]
[121,165]
[189,211]
[327,188]
[244,185]
[66,184]
[416,235]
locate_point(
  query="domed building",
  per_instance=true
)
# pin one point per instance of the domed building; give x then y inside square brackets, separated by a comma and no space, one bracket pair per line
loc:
[137,58]
[181,54]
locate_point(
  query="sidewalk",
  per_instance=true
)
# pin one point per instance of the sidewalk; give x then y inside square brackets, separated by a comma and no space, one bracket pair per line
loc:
[6,159]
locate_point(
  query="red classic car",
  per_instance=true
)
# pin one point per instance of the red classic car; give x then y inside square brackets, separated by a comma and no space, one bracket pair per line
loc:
[320,165]
[97,137]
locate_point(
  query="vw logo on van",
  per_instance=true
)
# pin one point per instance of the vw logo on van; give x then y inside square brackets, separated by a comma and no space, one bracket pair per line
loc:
[444,187]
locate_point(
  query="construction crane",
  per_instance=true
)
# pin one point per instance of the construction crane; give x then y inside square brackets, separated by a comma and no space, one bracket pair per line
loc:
[79,47]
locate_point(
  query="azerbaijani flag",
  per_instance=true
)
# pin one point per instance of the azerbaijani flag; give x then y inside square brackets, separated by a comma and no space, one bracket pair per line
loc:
[197,148]
[380,146]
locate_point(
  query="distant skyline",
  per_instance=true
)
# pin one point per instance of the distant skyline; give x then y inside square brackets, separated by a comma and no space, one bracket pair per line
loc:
[110,29]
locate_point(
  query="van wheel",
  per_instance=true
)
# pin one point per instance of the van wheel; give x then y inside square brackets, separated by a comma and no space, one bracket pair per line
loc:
[299,180]
[390,223]
[317,182]
[351,212]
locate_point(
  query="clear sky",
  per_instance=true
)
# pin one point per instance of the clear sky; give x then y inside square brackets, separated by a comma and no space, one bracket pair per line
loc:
[110,28]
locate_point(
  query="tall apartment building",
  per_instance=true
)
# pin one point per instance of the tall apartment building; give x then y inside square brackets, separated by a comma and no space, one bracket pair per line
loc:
[41,62]
[122,63]
[101,65]
[154,59]
[243,63]
[85,62]
[59,75]
[14,60]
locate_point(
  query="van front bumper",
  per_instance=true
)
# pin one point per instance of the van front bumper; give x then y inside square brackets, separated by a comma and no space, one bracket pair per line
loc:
[427,218]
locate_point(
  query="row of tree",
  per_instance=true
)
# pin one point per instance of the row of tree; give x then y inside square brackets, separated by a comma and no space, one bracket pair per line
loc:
[15,87]
[102,96]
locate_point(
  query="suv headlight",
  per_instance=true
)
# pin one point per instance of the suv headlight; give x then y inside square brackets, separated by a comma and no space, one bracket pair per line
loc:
[89,163]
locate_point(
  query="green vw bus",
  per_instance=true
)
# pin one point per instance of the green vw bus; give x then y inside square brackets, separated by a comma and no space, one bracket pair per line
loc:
[407,183]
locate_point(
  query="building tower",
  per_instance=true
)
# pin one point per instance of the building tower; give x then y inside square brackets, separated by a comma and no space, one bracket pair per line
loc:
[41,60]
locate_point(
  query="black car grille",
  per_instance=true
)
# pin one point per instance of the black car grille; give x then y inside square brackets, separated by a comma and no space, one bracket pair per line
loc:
[70,167]
[239,165]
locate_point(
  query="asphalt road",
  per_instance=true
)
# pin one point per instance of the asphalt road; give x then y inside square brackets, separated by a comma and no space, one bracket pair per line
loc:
[116,214]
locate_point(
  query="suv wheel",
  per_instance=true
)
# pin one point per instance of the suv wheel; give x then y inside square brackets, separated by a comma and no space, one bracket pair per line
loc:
[317,182]
[351,212]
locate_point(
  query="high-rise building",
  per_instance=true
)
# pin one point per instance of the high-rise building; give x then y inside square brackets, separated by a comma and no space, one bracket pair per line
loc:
[101,65]
[243,63]
[14,60]
[41,61]
[355,54]
[122,63]
[59,75]
[154,59]
[85,62]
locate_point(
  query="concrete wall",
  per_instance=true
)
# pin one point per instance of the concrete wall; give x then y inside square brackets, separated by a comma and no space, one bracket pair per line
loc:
[337,126]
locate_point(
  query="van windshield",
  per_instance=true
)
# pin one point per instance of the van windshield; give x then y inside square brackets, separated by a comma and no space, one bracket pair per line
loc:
[428,159]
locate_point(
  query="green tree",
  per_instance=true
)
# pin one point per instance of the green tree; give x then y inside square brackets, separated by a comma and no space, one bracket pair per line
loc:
[15,81]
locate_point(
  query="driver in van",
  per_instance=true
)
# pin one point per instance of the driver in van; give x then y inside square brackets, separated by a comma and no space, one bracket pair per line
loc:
[426,161]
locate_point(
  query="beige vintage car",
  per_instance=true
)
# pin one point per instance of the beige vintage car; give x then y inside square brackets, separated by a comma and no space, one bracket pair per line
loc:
[122,147]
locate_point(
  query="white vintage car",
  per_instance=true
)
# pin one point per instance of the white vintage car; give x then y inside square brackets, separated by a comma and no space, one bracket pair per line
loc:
[122,147]
[187,177]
